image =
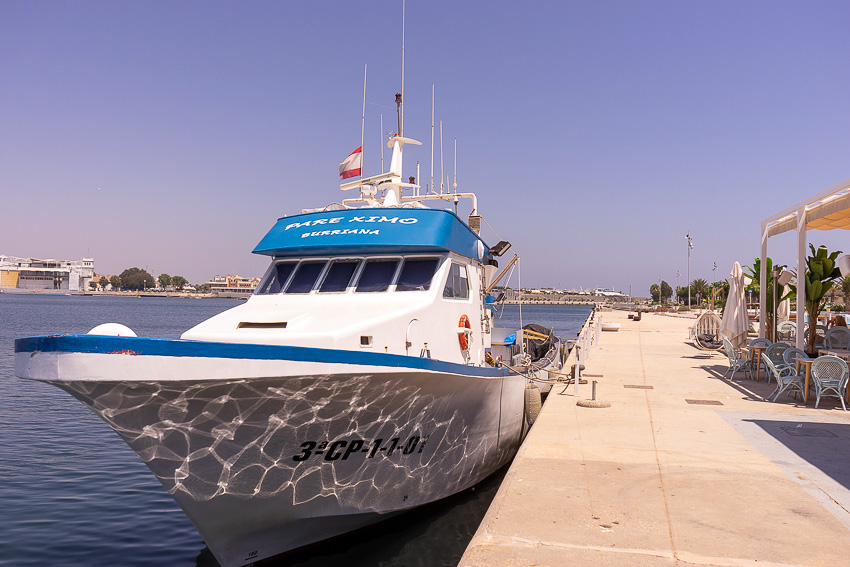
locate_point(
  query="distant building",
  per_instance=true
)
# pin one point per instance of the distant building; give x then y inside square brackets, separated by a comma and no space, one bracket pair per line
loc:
[35,274]
[233,286]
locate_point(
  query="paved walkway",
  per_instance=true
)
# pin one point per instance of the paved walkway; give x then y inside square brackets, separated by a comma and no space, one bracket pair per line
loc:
[731,480]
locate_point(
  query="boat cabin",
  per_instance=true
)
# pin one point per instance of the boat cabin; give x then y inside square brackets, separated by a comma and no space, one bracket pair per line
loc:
[405,281]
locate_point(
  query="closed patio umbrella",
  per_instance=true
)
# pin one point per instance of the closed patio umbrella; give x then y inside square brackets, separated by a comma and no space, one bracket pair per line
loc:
[783,310]
[735,322]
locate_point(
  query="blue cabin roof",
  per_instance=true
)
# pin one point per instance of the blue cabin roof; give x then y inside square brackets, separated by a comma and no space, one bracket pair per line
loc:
[371,231]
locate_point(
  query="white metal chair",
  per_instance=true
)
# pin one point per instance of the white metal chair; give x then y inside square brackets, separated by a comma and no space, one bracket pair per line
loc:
[784,374]
[838,338]
[787,331]
[830,374]
[737,361]
[774,352]
[791,355]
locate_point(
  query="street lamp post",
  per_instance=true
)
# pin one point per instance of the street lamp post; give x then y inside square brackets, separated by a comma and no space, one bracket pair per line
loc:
[678,287]
[713,285]
[660,297]
[690,247]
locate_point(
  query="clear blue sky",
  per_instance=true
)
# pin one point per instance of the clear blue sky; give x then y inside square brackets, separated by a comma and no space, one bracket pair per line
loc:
[171,135]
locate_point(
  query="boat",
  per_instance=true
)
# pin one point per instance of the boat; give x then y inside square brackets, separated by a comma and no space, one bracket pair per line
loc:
[364,377]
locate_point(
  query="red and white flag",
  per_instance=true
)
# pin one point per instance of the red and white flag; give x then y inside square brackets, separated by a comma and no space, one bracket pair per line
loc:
[351,166]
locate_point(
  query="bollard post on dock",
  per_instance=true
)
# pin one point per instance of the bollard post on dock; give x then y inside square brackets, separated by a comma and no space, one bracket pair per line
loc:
[577,373]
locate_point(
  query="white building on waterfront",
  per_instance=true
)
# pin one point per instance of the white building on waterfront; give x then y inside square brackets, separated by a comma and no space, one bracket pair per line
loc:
[36,274]
[233,286]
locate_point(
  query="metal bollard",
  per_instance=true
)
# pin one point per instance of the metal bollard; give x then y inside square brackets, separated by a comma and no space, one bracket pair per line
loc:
[577,373]
[593,395]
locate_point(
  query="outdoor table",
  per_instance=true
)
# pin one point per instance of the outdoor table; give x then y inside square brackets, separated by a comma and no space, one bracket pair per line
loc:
[839,352]
[756,352]
[807,362]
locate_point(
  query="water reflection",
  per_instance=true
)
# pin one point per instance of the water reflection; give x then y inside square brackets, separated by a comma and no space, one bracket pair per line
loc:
[433,535]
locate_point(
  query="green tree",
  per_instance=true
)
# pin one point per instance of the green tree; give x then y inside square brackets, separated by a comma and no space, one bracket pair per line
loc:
[164,280]
[701,288]
[93,285]
[179,282]
[655,292]
[666,291]
[135,279]
[115,281]
[103,282]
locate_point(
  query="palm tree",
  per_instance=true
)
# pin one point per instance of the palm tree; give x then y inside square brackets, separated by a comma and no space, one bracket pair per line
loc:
[701,288]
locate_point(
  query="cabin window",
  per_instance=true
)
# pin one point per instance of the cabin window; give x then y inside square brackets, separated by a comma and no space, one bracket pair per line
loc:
[416,274]
[305,277]
[339,276]
[377,275]
[457,286]
[276,278]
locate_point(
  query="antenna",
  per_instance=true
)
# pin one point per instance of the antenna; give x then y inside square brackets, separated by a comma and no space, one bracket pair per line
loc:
[363,122]
[432,139]
[455,184]
[401,96]
[381,145]
[441,157]
[398,111]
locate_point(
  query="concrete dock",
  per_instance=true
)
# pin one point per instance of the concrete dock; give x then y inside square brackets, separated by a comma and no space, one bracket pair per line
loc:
[684,467]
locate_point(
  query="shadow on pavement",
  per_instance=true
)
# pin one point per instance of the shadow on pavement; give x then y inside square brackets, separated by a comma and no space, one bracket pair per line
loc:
[823,445]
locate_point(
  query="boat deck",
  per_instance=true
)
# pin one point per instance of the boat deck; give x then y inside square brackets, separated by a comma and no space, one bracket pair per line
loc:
[684,467]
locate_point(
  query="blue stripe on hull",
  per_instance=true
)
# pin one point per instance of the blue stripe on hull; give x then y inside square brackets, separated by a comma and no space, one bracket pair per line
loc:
[96,344]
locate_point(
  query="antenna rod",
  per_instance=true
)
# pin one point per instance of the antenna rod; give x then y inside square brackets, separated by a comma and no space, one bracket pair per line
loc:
[398,111]
[432,139]
[381,144]
[455,184]
[363,122]
[401,96]
[441,157]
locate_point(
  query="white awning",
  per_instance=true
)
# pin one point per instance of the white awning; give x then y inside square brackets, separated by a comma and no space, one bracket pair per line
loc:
[825,211]
[828,210]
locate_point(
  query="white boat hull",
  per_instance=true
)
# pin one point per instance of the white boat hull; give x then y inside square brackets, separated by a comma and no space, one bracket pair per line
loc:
[274,458]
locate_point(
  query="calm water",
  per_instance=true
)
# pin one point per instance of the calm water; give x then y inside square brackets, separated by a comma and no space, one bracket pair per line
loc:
[73,493]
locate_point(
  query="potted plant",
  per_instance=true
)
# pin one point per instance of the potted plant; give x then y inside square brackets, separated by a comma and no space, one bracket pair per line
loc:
[821,272]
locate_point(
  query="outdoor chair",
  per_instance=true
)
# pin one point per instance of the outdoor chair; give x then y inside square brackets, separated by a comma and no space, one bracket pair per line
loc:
[774,352]
[830,374]
[791,355]
[737,361]
[706,332]
[757,343]
[838,338]
[784,374]
[787,331]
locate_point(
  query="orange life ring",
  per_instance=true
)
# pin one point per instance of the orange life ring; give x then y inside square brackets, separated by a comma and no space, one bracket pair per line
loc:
[464,329]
